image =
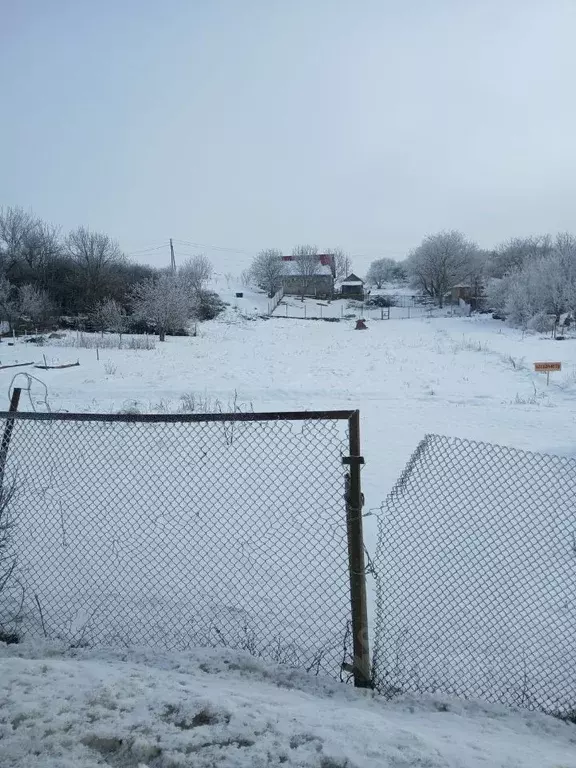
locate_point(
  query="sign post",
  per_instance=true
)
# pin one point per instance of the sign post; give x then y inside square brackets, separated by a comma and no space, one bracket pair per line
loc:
[546,368]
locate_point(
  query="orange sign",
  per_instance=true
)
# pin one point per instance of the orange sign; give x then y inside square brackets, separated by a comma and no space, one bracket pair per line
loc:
[547,367]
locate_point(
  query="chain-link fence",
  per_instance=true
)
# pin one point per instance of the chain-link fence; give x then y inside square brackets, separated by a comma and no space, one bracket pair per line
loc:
[476,576]
[180,531]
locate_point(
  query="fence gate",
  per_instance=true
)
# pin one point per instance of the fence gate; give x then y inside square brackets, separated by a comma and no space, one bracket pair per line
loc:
[240,530]
[476,576]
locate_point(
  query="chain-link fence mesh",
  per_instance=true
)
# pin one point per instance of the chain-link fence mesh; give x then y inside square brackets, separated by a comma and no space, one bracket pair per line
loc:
[476,576]
[180,533]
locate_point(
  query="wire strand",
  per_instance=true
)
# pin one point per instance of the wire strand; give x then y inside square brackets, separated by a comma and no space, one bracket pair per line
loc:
[29,378]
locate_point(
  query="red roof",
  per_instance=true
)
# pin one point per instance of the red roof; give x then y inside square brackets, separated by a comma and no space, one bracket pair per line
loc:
[324,258]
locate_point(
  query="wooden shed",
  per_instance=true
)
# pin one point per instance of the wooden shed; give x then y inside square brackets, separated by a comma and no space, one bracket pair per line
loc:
[352,287]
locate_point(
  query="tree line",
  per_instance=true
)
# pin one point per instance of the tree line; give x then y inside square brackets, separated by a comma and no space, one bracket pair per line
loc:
[531,281]
[46,276]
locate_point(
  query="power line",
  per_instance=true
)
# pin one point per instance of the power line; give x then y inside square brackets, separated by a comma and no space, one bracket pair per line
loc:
[146,250]
[380,252]
[215,247]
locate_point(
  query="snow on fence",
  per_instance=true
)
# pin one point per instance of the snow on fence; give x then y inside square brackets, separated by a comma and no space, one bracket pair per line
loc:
[187,530]
[476,576]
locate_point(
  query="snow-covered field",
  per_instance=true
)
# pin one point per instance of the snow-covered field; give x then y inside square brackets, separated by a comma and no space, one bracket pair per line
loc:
[464,377]
[140,709]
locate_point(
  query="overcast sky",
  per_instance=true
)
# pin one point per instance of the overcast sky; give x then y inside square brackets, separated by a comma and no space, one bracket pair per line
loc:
[265,123]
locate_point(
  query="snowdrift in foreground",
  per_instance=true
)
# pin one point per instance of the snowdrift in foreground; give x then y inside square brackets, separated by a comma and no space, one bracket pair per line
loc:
[138,709]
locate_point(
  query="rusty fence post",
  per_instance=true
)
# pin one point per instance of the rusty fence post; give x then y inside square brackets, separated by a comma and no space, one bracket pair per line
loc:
[356,564]
[6,437]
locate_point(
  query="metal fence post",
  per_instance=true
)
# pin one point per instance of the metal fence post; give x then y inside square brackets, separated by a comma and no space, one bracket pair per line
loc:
[354,499]
[9,426]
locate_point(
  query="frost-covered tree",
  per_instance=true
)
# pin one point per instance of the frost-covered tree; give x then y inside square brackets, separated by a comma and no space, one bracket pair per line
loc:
[35,304]
[441,261]
[497,292]
[517,252]
[384,271]
[166,303]
[546,286]
[196,272]
[9,305]
[109,315]
[539,287]
[267,270]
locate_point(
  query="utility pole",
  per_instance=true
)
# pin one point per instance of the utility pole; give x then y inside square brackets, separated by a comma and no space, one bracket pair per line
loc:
[172,259]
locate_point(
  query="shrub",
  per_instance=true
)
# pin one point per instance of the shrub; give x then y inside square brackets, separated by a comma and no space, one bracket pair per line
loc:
[209,305]
[113,341]
[542,322]
[381,301]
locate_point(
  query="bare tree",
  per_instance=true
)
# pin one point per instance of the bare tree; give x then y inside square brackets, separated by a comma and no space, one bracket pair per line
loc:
[35,304]
[307,266]
[441,261]
[166,303]
[342,264]
[16,225]
[40,247]
[267,270]
[93,253]
[196,272]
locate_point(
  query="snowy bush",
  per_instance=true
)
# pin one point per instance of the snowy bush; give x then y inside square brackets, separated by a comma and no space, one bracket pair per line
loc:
[82,340]
[542,322]
[381,301]
[209,305]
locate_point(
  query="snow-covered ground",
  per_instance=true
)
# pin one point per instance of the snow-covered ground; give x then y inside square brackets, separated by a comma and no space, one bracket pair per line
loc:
[464,377]
[344,309]
[140,709]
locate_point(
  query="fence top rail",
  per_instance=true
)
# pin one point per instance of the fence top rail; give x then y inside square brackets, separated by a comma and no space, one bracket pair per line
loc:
[175,418]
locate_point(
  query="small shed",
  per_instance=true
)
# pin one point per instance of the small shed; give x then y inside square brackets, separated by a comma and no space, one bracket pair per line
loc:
[352,287]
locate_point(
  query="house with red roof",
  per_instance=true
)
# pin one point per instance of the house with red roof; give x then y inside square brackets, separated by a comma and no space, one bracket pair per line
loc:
[310,275]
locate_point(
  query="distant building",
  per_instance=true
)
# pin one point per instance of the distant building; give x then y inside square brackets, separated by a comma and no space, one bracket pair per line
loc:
[352,287]
[318,285]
